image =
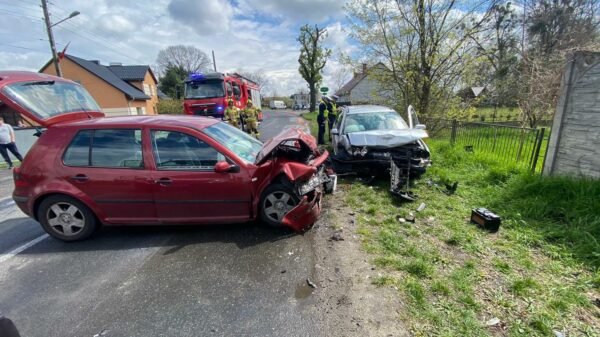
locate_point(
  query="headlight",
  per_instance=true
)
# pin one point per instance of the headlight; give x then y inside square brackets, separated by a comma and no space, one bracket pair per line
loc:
[360,151]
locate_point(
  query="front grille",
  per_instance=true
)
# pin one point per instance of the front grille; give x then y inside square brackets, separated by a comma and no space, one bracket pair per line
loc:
[206,111]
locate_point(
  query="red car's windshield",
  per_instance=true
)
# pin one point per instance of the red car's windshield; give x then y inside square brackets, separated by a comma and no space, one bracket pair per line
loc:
[237,141]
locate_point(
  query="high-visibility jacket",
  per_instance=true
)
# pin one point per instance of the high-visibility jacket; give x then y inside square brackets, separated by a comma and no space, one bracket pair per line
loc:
[232,114]
[251,114]
[323,108]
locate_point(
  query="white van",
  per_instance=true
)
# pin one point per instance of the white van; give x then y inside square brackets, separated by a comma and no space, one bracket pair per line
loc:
[277,105]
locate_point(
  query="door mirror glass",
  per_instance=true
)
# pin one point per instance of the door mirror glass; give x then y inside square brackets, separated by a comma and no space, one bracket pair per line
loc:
[225,167]
[420,126]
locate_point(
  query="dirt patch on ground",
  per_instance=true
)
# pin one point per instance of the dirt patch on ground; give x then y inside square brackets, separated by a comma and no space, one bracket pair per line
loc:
[347,300]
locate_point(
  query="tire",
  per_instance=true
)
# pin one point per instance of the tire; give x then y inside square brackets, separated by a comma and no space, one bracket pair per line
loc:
[274,204]
[66,218]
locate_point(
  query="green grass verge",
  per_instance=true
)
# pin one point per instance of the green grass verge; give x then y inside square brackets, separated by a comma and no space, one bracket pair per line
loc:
[540,272]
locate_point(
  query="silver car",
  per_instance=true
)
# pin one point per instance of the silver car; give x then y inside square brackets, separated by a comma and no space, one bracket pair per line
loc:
[370,138]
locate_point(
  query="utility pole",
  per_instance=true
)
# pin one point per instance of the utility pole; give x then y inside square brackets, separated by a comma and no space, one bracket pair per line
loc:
[51,38]
[214,62]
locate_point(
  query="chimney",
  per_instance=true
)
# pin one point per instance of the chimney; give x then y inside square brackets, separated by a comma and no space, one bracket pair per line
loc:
[364,68]
[116,64]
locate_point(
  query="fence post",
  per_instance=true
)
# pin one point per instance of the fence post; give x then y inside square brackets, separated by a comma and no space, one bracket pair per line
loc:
[495,137]
[521,141]
[538,146]
[453,132]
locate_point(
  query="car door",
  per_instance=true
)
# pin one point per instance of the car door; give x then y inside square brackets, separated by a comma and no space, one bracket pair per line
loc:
[108,166]
[188,188]
[335,139]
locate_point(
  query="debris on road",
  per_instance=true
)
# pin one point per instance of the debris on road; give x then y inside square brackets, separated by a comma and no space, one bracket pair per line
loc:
[311,284]
[410,217]
[493,322]
[401,219]
[104,332]
[421,207]
[558,333]
[451,189]
[337,236]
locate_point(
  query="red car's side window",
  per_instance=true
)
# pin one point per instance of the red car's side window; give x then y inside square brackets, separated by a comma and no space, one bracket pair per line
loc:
[111,148]
[174,150]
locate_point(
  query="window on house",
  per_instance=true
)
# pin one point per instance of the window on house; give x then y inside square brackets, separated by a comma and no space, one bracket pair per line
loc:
[147,89]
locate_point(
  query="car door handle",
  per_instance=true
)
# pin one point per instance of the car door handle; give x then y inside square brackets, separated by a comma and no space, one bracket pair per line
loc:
[80,177]
[164,181]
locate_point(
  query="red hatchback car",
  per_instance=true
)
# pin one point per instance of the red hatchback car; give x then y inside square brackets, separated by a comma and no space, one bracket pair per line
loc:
[86,170]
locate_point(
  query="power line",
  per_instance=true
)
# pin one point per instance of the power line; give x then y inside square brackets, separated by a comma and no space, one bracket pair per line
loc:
[98,41]
[20,47]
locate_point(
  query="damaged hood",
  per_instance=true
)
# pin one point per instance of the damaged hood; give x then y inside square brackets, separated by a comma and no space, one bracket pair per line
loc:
[386,138]
[291,134]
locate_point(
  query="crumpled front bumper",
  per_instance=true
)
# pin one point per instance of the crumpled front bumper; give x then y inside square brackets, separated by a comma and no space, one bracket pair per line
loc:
[303,216]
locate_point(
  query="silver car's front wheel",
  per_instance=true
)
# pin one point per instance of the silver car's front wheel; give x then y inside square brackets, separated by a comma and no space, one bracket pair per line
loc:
[277,201]
[66,218]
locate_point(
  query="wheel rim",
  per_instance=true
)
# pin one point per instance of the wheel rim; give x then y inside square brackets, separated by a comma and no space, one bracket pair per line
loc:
[65,218]
[277,205]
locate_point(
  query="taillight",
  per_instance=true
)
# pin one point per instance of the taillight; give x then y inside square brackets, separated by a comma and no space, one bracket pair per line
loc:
[18,178]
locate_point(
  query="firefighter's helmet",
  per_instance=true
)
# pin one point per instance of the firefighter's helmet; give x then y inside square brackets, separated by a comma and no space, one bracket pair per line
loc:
[249,102]
[230,102]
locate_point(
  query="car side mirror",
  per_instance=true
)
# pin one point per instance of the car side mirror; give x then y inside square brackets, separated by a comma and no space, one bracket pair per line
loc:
[225,167]
[420,127]
[335,132]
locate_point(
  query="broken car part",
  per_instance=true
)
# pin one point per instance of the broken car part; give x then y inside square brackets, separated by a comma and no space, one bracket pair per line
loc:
[485,219]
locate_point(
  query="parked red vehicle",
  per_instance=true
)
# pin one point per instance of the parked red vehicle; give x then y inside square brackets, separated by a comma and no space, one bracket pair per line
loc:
[208,94]
[86,170]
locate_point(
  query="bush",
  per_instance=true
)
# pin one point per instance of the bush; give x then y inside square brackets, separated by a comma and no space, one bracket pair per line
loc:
[170,107]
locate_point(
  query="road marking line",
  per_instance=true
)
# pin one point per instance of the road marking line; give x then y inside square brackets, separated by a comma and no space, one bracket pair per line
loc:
[12,253]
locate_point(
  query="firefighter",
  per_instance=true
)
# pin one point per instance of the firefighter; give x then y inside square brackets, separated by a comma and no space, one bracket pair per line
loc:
[232,115]
[321,120]
[250,114]
[332,116]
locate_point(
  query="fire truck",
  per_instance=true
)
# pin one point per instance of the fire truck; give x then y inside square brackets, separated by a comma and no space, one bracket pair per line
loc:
[207,94]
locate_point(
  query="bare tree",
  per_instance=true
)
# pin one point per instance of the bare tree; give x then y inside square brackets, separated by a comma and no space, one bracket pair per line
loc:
[258,77]
[312,59]
[188,58]
[556,30]
[425,43]
[339,77]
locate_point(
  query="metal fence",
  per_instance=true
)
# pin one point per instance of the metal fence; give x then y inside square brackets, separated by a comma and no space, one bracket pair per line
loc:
[511,144]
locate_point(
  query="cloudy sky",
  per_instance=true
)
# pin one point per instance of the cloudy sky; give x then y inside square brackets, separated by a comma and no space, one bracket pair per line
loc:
[247,35]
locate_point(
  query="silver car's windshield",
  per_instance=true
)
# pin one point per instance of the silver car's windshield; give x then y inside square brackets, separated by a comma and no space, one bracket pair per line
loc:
[237,141]
[386,120]
[51,98]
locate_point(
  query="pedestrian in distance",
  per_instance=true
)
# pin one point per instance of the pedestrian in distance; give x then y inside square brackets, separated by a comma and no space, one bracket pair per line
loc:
[250,114]
[7,143]
[321,121]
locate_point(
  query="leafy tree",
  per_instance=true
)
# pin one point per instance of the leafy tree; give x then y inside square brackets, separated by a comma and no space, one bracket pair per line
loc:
[171,83]
[312,59]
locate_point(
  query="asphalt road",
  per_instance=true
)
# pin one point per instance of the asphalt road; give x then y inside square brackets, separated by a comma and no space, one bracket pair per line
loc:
[239,280]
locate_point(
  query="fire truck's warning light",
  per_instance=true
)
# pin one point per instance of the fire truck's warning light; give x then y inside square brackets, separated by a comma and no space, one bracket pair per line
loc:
[219,108]
[196,77]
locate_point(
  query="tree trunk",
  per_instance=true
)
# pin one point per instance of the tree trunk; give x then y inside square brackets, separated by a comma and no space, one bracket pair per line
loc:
[313,96]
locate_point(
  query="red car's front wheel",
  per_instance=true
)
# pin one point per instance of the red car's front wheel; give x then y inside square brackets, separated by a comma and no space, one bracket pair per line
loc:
[277,200]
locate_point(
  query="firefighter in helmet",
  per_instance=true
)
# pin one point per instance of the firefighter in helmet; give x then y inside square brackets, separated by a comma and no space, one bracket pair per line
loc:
[232,115]
[250,114]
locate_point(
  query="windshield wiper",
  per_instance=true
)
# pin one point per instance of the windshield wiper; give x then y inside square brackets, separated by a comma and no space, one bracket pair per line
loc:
[40,83]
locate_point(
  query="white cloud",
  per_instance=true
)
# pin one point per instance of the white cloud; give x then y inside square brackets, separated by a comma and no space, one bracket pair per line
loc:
[207,16]
[296,10]
[133,32]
